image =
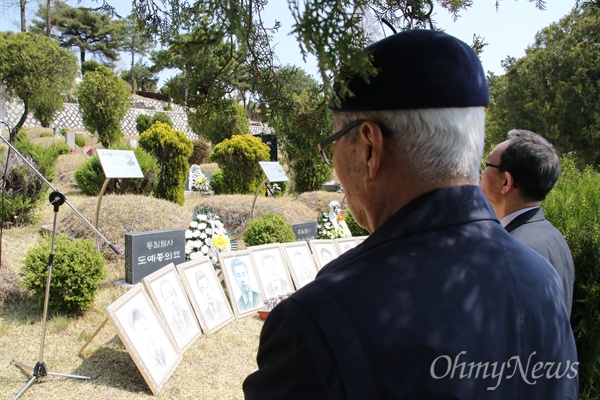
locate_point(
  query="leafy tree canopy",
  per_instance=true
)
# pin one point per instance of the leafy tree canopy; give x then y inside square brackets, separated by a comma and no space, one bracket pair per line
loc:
[32,66]
[554,90]
[85,29]
[332,30]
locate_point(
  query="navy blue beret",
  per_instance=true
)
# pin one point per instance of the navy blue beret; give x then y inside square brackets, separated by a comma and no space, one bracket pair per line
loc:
[418,69]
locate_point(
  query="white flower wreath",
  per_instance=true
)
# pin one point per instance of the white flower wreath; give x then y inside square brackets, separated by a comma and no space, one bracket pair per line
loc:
[200,183]
[206,236]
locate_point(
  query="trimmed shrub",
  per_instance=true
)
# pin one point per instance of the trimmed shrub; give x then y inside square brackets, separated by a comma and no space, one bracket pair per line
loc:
[200,152]
[77,271]
[104,101]
[355,228]
[572,207]
[238,158]
[90,177]
[80,140]
[172,150]
[162,117]
[46,134]
[142,123]
[23,189]
[268,228]
[217,183]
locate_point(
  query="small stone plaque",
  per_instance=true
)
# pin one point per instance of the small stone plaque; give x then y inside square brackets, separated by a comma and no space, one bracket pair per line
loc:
[147,252]
[305,230]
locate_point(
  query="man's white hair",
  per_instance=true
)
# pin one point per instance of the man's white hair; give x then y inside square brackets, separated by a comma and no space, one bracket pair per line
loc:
[441,145]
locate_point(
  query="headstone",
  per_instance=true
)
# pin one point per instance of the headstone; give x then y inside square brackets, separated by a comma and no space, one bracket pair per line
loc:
[56,131]
[147,252]
[70,139]
[133,143]
[305,230]
[331,186]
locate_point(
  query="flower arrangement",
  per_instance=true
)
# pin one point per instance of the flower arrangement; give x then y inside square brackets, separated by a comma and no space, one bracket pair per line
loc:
[200,183]
[206,236]
[331,225]
[89,152]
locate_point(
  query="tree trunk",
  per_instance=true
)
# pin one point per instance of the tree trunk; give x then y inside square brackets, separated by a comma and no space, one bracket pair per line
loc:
[13,132]
[132,70]
[23,3]
[48,10]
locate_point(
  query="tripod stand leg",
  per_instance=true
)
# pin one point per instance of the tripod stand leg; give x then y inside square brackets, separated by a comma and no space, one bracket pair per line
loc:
[31,382]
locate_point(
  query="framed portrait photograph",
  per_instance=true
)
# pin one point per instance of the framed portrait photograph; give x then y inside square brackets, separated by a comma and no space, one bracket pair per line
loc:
[273,274]
[344,244]
[323,250]
[300,262]
[242,282]
[206,293]
[170,298]
[146,336]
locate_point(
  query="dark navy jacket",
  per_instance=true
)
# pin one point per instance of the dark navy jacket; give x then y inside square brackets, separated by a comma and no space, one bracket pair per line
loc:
[439,303]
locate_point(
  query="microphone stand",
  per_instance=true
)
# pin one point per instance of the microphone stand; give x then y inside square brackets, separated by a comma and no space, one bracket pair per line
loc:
[57,199]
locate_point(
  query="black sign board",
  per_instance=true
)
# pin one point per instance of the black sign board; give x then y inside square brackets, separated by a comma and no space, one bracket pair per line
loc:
[147,252]
[305,230]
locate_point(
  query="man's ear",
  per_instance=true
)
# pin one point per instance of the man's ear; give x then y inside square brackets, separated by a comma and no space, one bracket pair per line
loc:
[509,183]
[371,137]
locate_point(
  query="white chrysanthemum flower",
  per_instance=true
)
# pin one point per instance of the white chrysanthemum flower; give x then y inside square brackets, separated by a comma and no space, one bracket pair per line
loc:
[188,234]
[209,231]
[202,217]
[196,234]
[204,249]
[193,224]
[194,256]
[202,225]
[203,235]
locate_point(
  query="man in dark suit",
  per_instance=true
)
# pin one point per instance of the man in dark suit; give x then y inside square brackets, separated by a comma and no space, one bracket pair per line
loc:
[439,301]
[520,172]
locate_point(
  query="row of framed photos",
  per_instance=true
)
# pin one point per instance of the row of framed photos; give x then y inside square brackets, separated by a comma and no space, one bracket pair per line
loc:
[160,317]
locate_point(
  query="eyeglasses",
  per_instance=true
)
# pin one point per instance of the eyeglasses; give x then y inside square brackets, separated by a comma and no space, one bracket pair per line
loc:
[487,164]
[323,145]
[501,168]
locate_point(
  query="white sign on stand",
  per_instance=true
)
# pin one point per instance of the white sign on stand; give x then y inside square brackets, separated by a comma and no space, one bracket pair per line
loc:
[273,171]
[119,164]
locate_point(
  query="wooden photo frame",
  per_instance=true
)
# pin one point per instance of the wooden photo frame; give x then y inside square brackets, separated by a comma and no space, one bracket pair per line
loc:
[146,336]
[273,275]
[171,299]
[323,250]
[344,244]
[300,261]
[206,293]
[242,282]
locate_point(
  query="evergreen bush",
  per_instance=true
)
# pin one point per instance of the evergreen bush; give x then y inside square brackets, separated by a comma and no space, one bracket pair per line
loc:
[142,123]
[172,150]
[200,152]
[90,177]
[573,208]
[238,158]
[23,189]
[80,140]
[78,269]
[217,184]
[355,228]
[268,228]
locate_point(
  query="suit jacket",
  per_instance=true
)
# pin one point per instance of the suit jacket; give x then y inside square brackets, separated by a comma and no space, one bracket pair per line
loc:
[220,312]
[439,302]
[254,298]
[534,230]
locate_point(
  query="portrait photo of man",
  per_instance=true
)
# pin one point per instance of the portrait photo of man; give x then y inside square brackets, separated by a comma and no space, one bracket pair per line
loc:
[145,340]
[243,276]
[271,270]
[214,308]
[179,316]
[304,268]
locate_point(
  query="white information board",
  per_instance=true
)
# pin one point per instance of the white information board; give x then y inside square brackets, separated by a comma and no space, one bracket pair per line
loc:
[119,164]
[273,171]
